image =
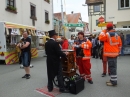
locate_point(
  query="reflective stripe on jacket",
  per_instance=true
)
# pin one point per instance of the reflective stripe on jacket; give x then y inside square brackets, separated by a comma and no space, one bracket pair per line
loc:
[112,43]
[86,49]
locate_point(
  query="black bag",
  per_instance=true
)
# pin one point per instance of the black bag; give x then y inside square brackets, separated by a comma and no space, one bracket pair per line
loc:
[76,85]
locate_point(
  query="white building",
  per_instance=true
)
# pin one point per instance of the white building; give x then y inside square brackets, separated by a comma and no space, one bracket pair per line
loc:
[36,13]
[118,12]
[96,10]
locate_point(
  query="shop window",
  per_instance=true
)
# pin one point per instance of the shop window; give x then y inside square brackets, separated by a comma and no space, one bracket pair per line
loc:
[124,4]
[96,8]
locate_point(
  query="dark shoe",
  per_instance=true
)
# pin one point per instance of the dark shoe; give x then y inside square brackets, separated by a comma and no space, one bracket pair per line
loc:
[104,74]
[90,81]
[24,76]
[50,90]
[64,91]
[28,76]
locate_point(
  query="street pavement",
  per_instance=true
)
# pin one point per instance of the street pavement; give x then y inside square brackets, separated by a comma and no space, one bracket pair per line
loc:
[12,85]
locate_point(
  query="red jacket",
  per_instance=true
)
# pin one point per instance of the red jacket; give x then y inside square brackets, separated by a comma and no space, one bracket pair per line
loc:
[65,44]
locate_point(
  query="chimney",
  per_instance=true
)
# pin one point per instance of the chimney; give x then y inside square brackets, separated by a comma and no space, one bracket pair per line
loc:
[72,12]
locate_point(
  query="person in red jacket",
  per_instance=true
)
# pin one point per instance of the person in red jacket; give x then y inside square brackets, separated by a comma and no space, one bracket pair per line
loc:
[65,43]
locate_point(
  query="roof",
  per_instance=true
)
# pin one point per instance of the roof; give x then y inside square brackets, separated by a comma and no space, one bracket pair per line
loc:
[93,1]
[73,18]
[58,15]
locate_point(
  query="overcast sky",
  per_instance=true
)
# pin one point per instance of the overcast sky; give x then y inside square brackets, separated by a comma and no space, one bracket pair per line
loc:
[72,5]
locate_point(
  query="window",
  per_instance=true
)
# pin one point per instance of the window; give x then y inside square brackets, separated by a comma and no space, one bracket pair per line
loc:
[33,10]
[96,8]
[124,3]
[46,16]
[11,3]
[97,22]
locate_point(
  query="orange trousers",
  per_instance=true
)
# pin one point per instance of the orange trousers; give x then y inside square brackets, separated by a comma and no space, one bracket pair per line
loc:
[104,61]
[84,68]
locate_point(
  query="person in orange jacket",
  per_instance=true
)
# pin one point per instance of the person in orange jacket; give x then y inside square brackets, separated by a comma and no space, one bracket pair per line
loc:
[112,46]
[104,62]
[83,55]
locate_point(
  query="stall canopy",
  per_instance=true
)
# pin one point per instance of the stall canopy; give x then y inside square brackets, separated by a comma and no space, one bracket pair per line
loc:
[18,29]
[117,29]
[13,25]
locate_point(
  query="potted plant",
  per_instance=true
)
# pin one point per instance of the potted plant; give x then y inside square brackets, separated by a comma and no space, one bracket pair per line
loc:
[47,21]
[33,17]
[11,9]
[47,1]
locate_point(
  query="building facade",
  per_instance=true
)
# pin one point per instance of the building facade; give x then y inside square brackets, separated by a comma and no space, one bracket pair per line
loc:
[96,9]
[75,18]
[118,12]
[36,13]
[58,24]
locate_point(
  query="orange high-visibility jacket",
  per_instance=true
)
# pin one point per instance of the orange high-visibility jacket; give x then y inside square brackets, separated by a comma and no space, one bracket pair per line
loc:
[112,43]
[86,49]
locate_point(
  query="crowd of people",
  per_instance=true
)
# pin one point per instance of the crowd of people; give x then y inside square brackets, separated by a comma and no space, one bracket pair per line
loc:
[106,46]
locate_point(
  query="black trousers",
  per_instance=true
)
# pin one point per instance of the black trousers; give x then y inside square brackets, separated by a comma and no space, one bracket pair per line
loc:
[112,63]
[60,80]
[95,53]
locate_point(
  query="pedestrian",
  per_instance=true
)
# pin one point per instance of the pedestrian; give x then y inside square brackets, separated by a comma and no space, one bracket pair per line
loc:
[65,43]
[54,67]
[26,54]
[83,54]
[122,40]
[104,61]
[112,47]
[94,46]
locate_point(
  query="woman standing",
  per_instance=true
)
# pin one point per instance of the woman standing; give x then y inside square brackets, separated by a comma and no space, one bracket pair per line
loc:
[65,43]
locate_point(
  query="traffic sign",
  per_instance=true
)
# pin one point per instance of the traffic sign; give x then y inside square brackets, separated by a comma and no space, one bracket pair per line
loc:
[101,19]
[102,25]
[74,25]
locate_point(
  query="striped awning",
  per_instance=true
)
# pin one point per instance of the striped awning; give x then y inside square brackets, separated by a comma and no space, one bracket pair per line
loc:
[13,25]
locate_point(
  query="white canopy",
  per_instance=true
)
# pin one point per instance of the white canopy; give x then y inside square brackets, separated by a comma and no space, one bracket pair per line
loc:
[117,29]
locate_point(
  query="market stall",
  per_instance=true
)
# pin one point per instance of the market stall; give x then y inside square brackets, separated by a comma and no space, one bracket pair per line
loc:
[10,35]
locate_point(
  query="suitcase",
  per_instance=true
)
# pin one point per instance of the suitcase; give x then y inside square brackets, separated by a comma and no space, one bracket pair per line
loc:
[76,85]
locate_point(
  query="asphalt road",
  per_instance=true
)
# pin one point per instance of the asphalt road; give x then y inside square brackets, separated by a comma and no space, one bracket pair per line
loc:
[12,85]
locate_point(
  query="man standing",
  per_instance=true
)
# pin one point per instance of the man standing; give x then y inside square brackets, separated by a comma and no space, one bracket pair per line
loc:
[122,40]
[83,54]
[54,67]
[112,46]
[26,54]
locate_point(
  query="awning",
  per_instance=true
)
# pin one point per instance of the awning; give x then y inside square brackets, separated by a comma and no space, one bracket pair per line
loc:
[18,29]
[13,25]
[122,29]
[117,29]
